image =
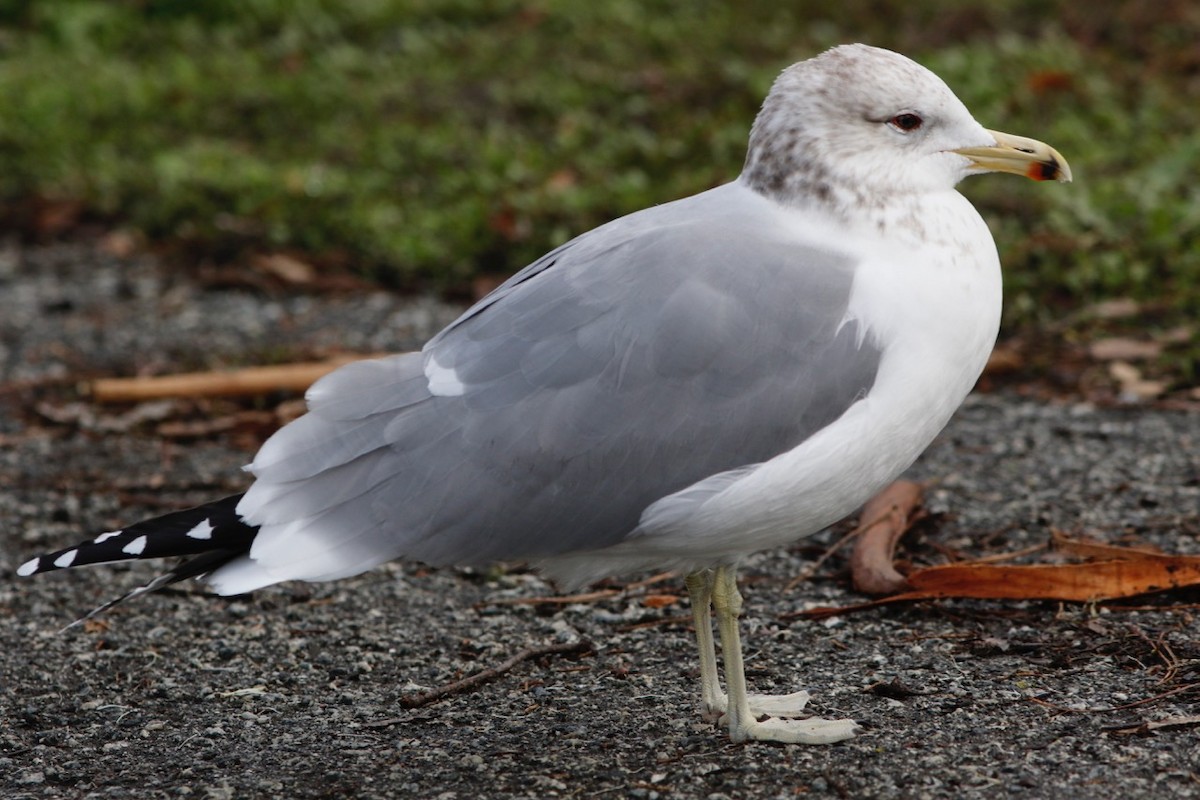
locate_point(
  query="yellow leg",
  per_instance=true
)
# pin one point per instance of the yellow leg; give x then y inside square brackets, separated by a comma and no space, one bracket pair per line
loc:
[740,715]
[712,699]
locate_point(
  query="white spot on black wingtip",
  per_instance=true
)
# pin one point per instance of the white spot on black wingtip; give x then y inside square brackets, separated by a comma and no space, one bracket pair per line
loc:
[135,547]
[66,559]
[202,531]
[29,567]
[104,537]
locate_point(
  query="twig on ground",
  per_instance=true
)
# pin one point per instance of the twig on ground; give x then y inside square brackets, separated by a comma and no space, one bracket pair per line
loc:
[629,590]
[1147,728]
[554,599]
[1123,707]
[492,673]
[223,383]
[662,622]
[999,558]
[812,568]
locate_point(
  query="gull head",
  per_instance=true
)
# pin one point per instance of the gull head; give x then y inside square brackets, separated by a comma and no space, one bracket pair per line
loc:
[862,126]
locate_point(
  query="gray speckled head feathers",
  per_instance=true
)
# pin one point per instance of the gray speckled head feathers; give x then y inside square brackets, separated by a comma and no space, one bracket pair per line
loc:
[822,136]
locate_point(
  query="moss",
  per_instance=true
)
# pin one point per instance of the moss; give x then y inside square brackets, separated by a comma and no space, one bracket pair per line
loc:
[428,141]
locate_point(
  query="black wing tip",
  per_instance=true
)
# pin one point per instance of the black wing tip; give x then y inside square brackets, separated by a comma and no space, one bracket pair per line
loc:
[70,556]
[204,528]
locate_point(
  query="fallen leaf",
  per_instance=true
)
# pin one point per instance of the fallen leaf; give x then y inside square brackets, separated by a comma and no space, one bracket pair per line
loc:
[1121,572]
[1134,388]
[1182,334]
[1113,309]
[1124,349]
[884,520]
[1124,372]
[562,180]
[510,225]
[121,243]
[1004,359]
[1086,582]
[54,217]
[659,600]
[286,268]
[1043,81]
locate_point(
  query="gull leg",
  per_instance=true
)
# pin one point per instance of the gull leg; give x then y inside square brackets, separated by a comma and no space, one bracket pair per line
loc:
[741,717]
[712,699]
[713,702]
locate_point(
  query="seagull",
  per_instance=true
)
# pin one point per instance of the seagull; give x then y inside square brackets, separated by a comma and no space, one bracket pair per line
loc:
[676,389]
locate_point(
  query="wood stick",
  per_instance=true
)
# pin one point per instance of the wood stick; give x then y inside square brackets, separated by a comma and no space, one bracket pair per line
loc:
[492,673]
[222,383]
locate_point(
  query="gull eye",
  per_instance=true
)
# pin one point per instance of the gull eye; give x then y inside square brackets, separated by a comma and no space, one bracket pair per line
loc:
[907,122]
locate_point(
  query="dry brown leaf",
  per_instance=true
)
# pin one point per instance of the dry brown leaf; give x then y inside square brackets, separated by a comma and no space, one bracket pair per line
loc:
[562,180]
[1113,309]
[884,520]
[286,268]
[1086,582]
[1004,359]
[120,243]
[1121,572]
[1119,348]
[1044,81]
[660,600]
[1134,388]
[1180,334]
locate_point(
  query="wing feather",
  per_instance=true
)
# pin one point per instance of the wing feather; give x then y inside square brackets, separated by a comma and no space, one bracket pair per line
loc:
[684,342]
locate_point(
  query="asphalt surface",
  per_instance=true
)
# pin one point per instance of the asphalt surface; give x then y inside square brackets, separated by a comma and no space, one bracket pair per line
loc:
[298,691]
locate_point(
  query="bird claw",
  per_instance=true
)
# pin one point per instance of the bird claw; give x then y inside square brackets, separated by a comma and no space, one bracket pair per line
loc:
[797,731]
[768,705]
[782,718]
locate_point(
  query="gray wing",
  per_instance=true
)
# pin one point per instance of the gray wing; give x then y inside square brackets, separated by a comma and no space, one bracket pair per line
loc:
[631,363]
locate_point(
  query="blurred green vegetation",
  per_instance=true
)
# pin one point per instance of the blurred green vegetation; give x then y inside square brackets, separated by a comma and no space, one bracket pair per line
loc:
[426,141]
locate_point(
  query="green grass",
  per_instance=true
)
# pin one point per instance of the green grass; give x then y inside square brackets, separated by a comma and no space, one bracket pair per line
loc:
[424,142]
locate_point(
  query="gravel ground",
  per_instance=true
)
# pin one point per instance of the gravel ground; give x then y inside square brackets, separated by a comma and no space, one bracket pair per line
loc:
[296,691]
